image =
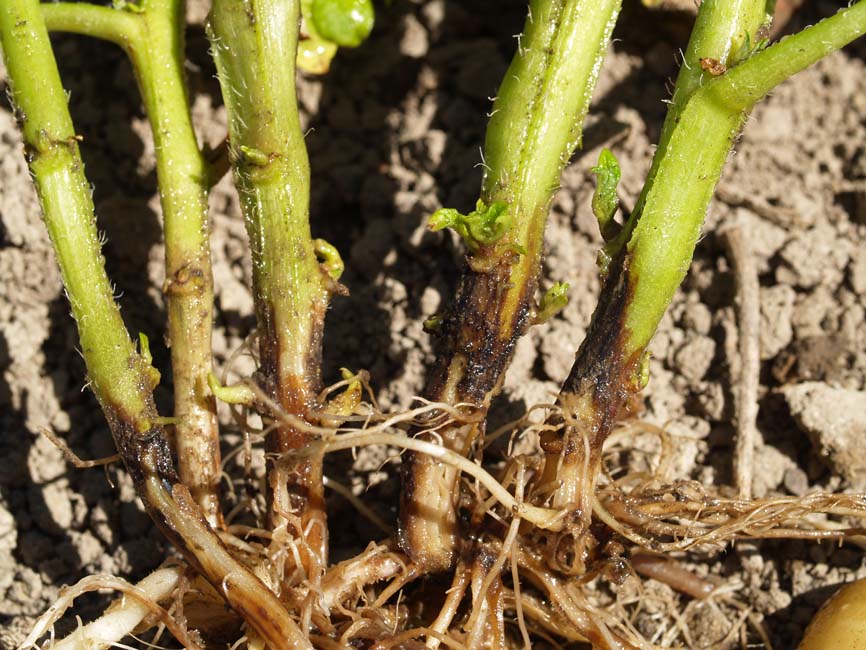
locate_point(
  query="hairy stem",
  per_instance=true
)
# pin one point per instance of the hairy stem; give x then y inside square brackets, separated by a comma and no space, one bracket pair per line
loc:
[535,126]
[183,187]
[121,378]
[120,27]
[608,364]
[291,289]
[727,34]
[652,255]
[153,39]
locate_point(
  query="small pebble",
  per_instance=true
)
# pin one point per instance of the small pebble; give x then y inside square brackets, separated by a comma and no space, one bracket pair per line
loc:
[796,481]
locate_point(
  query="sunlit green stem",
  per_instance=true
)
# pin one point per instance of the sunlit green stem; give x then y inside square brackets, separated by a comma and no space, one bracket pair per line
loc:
[153,37]
[537,120]
[254,45]
[744,85]
[668,226]
[121,378]
[727,32]
[608,365]
[535,126]
[183,186]
[657,244]
[116,26]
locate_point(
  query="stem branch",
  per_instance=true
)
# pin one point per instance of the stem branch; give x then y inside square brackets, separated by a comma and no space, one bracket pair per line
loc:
[116,26]
[291,289]
[121,378]
[653,252]
[535,126]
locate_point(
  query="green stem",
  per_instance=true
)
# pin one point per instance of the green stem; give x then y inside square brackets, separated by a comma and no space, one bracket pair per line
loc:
[153,37]
[183,177]
[537,123]
[116,26]
[669,224]
[608,364]
[121,378]
[726,32]
[652,255]
[743,86]
[535,126]
[290,287]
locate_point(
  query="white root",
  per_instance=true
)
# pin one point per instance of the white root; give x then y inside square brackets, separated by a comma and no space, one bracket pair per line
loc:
[375,564]
[121,617]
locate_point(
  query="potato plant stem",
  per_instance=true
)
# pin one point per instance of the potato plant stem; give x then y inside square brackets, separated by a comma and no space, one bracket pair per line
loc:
[653,253]
[121,378]
[608,364]
[721,34]
[183,187]
[118,375]
[254,45]
[116,26]
[153,38]
[535,126]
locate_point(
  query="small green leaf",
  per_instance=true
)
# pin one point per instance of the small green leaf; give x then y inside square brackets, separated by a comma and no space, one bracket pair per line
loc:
[750,46]
[329,258]
[744,51]
[554,300]
[315,55]
[433,323]
[254,156]
[344,22]
[483,226]
[152,374]
[605,201]
[602,260]
[144,347]
[237,394]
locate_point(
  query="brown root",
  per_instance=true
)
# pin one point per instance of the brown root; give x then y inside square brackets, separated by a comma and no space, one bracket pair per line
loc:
[529,572]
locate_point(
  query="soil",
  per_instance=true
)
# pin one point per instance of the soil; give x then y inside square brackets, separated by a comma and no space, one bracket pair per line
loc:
[394,132]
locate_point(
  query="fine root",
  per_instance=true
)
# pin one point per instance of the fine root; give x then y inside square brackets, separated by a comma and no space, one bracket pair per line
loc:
[528,571]
[121,618]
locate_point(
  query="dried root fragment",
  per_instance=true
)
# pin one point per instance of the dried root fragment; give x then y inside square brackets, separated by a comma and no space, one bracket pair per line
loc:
[672,573]
[349,578]
[682,517]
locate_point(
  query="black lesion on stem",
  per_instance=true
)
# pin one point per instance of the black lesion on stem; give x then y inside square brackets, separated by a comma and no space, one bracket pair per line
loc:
[602,367]
[473,328]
